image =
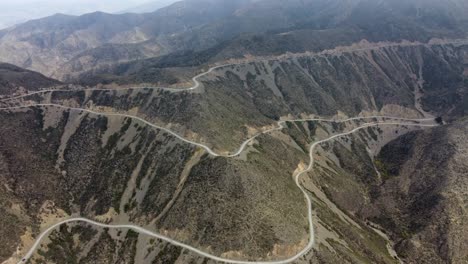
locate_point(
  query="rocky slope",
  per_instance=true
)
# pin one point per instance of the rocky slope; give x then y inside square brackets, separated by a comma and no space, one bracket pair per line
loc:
[408,189]
[116,170]
[254,95]
[57,164]
[66,46]
[385,194]
[425,193]
[414,194]
[119,170]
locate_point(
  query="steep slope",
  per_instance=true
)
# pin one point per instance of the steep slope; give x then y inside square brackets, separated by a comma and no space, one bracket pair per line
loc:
[423,201]
[253,95]
[300,26]
[65,46]
[112,172]
[385,193]
[55,164]
[14,79]
[46,44]
[411,189]
[260,159]
[317,25]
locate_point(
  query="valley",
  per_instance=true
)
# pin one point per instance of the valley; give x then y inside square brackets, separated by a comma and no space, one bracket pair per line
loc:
[52,99]
[237,131]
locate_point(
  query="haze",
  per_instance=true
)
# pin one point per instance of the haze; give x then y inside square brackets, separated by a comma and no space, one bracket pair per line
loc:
[18,11]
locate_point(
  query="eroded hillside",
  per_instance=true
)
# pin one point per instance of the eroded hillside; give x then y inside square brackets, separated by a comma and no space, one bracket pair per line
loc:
[218,169]
[64,47]
[399,80]
[57,164]
[117,170]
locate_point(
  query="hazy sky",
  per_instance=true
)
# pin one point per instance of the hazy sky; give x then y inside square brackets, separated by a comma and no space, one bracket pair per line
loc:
[16,11]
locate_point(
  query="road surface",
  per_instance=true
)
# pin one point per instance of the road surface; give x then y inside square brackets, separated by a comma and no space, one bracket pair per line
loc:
[280,125]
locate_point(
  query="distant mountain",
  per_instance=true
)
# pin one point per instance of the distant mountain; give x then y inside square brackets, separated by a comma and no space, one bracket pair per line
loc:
[149,7]
[49,43]
[13,79]
[16,12]
[64,47]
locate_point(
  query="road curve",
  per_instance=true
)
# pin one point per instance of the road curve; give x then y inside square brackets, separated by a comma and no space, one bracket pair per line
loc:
[280,125]
[195,86]
[198,251]
[196,83]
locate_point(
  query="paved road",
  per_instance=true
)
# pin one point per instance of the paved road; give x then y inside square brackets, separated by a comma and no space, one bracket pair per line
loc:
[281,125]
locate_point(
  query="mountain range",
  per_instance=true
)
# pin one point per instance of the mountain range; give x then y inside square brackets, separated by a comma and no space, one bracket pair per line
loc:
[148,7]
[17,12]
[240,131]
[63,46]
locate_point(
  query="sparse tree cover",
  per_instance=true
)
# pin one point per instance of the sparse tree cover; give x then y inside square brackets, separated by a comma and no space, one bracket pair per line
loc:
[387,185]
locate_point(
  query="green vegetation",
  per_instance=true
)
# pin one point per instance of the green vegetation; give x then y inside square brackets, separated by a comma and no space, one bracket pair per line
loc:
[381,167]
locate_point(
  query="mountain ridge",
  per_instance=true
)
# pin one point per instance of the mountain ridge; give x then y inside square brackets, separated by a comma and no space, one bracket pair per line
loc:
[197,25]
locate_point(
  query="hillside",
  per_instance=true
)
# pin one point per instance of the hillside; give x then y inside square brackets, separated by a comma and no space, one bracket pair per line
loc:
[409,190]
[48,44]
[216,131]
[426,182]
[129,171]
[14,79]
[253,95]
[65,46]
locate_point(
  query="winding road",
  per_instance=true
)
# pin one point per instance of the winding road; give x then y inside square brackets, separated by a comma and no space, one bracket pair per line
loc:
[281,125]
[195,86]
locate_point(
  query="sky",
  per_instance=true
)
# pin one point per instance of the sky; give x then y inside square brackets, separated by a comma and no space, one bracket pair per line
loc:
[17,11]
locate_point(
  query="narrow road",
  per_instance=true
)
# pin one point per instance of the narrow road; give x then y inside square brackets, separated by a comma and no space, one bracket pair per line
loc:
[281,125]
[195,86]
